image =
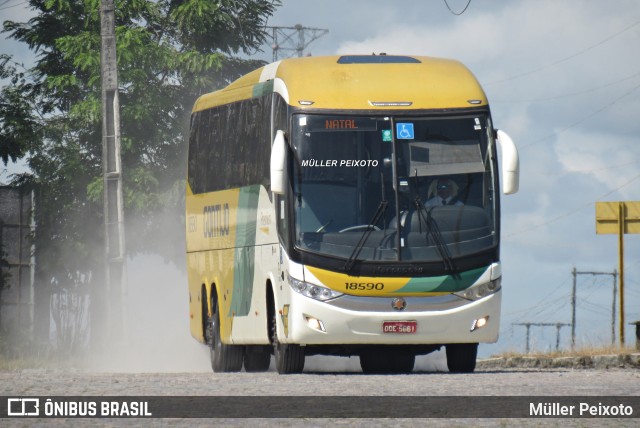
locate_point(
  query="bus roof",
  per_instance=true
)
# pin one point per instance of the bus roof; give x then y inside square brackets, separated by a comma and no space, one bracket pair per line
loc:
[358,82]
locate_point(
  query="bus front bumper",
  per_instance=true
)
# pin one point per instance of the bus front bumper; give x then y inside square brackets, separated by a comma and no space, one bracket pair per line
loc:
[311,322]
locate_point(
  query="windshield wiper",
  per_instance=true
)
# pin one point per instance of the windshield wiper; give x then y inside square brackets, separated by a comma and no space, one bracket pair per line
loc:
[348,265]
[434,230]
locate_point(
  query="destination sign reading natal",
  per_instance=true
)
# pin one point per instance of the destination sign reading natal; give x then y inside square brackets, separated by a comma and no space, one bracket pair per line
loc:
[340,124]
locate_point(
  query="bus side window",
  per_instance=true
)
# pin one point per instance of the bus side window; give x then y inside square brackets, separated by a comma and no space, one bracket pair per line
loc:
[283,221]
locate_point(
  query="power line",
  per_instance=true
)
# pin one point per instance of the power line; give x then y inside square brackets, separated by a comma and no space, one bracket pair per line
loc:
[457,13]
[594,308]
[13,5]
[570,94]
[541,301]
[578,122]
[568,213]
[553,308]
[560,61]
[589,171]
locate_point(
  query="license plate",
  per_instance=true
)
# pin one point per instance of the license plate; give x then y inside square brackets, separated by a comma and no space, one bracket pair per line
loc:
[399,327]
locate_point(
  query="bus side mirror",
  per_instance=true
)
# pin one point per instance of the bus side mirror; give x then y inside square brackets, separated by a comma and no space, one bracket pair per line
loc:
[278,163]
[510,164]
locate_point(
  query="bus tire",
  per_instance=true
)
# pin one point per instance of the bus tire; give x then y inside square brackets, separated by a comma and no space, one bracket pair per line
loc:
[461,357]
[256,359]
[224,358]
[387,361]
[289,358]
[207,321]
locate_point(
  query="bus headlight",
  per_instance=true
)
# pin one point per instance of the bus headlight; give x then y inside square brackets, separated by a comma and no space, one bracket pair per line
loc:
[479,291]
[311,290]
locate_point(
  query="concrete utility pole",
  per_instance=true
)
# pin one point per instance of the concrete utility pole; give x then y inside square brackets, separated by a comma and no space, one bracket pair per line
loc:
[293,40]
[575,274]
[112,177]
[557,325]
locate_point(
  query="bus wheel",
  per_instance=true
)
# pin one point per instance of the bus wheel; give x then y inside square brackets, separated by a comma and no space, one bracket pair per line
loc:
[289,357]
[224,358]
[384,361]
[461,357]
[256,359]
[207,321]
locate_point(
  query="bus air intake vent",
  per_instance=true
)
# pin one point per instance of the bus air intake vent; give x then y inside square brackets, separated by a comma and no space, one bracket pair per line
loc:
[377,59]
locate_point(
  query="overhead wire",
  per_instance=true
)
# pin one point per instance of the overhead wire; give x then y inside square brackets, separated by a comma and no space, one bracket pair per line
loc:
[557,173]
[457,13]
[589,116]
[594,308]
[567,58]
[604,168]
[12,6]
[555,307]
[578,122]
[570,94]
[543,305]
[568,213]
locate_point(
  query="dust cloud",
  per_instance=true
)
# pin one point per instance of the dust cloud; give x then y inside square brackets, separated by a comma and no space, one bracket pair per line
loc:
[157,336]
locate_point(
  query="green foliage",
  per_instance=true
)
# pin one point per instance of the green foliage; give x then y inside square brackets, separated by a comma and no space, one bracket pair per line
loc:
[18,127]
[168,53]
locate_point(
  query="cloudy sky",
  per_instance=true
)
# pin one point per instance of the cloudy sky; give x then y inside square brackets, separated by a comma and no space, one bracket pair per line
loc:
[563,79]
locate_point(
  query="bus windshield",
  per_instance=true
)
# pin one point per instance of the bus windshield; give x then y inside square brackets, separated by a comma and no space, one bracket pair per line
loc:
[418,189]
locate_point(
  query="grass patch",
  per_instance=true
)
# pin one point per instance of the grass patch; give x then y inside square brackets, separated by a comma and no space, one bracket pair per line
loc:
[589,351]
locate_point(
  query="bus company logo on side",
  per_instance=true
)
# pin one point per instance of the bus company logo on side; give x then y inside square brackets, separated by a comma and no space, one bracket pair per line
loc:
[216,220]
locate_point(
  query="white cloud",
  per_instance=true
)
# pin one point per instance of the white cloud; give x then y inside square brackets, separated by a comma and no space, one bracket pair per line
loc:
[558,75]
[440,41]
[611,159]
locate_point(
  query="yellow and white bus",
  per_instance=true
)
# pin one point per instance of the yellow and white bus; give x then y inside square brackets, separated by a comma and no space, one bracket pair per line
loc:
[346,205]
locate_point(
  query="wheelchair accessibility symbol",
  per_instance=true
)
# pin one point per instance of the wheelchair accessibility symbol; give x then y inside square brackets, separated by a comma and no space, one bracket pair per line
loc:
[404,131]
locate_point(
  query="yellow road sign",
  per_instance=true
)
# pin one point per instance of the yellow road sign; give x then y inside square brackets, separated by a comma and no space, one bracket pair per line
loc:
[618,218]
[608,215]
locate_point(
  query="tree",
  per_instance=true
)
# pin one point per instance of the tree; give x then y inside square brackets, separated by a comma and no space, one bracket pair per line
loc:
[168,53]
[17,125]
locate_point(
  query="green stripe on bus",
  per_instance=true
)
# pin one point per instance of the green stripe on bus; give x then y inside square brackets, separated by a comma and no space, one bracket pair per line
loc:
[262,89]
[444,283]
[244,256]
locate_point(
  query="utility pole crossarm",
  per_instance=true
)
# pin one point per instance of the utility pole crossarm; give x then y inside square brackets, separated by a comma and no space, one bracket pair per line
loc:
[557,325]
